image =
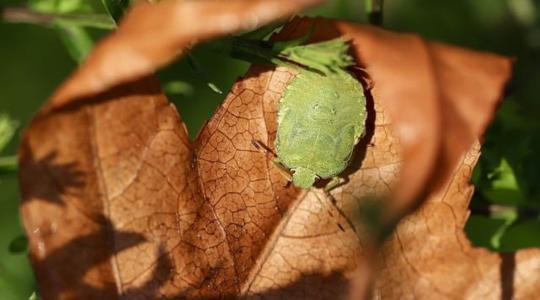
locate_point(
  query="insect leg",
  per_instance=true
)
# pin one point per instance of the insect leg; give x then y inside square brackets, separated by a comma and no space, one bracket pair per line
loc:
[280,167]
[329,212]
[334,183]
[333,201]
[262,147]
[282,170]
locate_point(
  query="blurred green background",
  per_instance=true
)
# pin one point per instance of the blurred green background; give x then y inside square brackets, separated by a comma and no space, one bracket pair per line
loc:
[34,60]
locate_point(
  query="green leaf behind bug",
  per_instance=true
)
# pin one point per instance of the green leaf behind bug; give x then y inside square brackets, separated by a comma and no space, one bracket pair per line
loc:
[327,56]
[116,8]
[8,127]
[76,39]
[502,185]
[71,18]
[262,33]
[65,6]
[18,245]
[178,87]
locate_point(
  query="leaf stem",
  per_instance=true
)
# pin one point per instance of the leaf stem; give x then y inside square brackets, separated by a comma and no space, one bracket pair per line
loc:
[374,9]
[25,15]
[199,70]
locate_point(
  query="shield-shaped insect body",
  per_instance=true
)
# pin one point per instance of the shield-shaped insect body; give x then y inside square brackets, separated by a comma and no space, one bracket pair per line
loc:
[321,118]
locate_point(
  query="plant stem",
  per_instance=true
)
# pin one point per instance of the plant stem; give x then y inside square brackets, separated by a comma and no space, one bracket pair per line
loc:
[199,70]
[252,51]
[374,9]
[25,15]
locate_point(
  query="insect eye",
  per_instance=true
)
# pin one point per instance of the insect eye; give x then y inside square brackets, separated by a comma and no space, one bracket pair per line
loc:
[324,108]
[322,111]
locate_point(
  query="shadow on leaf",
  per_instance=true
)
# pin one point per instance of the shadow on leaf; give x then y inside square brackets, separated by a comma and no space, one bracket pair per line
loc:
[62,272]
[48,179]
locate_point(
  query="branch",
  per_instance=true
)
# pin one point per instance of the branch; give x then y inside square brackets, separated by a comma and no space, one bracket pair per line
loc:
[25,15]
[375,12]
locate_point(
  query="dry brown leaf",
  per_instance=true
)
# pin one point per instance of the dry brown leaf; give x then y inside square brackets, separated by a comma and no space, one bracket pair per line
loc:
[152,35]
[438,122]
[117,203]
[429,257]
[136,224]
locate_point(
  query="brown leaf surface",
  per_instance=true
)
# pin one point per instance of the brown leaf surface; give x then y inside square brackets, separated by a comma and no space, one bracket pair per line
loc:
[429,257]
[119,204]
[440,101]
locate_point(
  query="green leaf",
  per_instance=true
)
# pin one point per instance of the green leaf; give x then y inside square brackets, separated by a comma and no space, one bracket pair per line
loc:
[178,88]
[77,40]
[511,117]
[488,231]
[18,245]
[62,6]
[8,127]
[508,215]
[70,17]
[282,46]
[116,8]
[481,230]
[476,177]
[325,57]
[522,234]
[202,74]
[503,186]
[262,33]
[8,164]
[34,296]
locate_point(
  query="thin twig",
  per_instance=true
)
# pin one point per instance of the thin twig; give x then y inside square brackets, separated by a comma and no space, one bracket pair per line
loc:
[25,15]
[375,12]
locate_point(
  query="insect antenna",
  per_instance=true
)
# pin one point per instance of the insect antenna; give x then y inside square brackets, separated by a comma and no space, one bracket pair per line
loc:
[261,146]
[281,168]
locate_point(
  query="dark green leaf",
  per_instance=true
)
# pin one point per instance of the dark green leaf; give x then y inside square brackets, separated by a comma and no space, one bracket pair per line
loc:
[200,71]
[521,235]
[116,8]
[18,245]
[77,40]
[503,185]
[8,164]
[66,6]
[55,6]
[282,46]
[8,127]
[485,231]
[261,33]
[178,88]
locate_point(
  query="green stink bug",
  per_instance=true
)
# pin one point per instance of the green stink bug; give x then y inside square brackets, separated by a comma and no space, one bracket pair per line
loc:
[320,120]
[321,114]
